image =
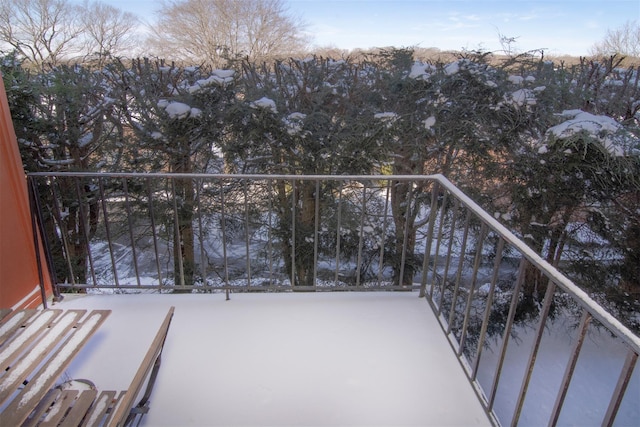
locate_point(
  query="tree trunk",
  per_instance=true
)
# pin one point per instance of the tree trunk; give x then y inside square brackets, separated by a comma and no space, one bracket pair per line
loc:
[183,240]
[403,219]
[80,221]
[305,235]
[630,270]
[302,266]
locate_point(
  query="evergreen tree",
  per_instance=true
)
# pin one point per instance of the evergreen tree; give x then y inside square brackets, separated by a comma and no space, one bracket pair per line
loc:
[63,123]
[303,117]
[175,117]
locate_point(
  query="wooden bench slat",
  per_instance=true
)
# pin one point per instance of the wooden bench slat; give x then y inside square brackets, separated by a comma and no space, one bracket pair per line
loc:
[48,374]
[23,325]
[74,403]
[59,409]
[22,339]
[99,409]
[79,409]
[4,312]
[48,340]
[12,321]
[116,402]
[46,402]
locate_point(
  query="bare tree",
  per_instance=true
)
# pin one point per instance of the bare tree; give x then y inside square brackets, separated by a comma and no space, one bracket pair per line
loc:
[271,32]
[624,41]
[108,31]
[42,31]
[212,30]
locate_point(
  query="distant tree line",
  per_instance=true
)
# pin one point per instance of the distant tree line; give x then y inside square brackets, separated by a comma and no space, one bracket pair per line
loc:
[206,32]
[620,41]
[53,32]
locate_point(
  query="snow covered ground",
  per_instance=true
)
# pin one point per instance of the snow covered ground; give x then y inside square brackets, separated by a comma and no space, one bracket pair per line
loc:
[284,359]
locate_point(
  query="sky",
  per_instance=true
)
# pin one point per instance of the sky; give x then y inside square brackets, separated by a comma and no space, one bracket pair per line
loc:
[559,27]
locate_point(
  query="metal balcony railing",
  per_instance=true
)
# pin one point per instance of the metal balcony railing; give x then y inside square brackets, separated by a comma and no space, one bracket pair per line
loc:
[131,232]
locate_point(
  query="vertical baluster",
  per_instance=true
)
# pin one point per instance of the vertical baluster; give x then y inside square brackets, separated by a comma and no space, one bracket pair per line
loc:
[176,235]
[571,365]
[154,233]
[223,229]
[361,232]
[84,228]
[316,234]
[38,237]
[445,275]
[269,232]
[107,229]
[64,232]
[203,255]
[405,232]
[384,231]
[544,314]
[127,205]
[436,255]
[247,231]
[427,246]
[621,387]
[456,288]
[472,286]
[293,233]
[487,311]
[515,297]
[338,227]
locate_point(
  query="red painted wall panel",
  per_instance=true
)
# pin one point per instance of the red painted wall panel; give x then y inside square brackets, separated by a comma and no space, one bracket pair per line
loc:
[19,279]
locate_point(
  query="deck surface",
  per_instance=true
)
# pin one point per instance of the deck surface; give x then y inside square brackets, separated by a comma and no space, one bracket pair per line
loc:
[284,359]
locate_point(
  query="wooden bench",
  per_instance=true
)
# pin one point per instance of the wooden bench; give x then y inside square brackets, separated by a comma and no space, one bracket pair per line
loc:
[36,346]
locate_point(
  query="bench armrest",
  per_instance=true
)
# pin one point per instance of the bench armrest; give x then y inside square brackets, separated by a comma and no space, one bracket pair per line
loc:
[150,362]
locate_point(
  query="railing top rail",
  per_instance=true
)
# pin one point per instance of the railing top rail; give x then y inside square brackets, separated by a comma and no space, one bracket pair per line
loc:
[241,176]
[550,271]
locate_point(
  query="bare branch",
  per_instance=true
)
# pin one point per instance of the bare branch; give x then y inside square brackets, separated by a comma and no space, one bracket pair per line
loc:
[214,31]
[109,31]
[43,31]
[621,41]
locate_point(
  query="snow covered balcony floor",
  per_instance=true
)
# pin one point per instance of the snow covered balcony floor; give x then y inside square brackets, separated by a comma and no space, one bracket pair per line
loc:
[300,359]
